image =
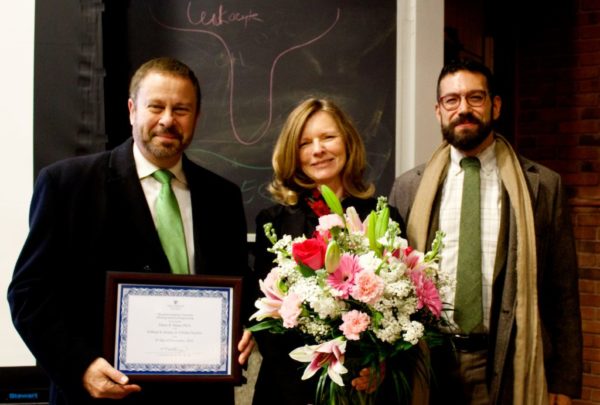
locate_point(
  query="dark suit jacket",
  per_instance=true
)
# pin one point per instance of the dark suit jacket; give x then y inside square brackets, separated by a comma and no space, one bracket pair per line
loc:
[89,216]
[557,282]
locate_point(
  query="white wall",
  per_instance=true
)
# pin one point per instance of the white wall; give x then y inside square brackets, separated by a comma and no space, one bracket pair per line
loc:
[420,58]
[16,163]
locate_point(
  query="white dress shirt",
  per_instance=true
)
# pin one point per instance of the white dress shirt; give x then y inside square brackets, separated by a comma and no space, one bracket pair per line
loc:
[491,205]
[152,187]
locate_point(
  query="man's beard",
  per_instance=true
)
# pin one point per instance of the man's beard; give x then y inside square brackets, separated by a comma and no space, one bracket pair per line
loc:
[161,150]
[467,139]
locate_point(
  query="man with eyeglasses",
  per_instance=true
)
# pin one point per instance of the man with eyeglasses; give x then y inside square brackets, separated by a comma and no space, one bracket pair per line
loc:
[517,337]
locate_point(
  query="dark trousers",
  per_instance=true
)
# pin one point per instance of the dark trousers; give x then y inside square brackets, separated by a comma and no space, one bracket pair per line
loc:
[458,377]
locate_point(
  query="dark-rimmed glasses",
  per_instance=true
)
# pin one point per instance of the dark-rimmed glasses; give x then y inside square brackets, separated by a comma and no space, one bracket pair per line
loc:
[474,98]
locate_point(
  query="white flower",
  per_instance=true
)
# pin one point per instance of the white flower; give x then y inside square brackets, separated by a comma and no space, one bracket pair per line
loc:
[306,288]
[413,332]
[390,328]
[369,261]
[282,247]
[288,271]
[315,327]
[399,289]
[328,307]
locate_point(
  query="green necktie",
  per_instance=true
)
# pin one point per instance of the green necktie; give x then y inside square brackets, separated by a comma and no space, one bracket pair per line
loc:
[468,307]
[169,224]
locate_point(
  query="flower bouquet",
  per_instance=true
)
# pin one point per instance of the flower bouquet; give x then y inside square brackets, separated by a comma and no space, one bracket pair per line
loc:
[360,296]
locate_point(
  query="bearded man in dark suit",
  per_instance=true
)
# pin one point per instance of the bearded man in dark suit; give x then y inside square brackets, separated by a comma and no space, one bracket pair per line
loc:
[94,214]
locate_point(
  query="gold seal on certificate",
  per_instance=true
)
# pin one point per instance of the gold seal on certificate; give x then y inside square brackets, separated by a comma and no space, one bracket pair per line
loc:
[173,327]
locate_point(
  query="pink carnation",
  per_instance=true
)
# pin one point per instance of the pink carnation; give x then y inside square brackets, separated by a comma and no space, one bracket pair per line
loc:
[326,222]
[355,322]
[427,293]
[368,287]
[342,279]
[290,310]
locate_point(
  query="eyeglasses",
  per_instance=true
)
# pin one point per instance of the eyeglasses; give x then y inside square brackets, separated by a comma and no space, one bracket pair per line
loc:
[474,98]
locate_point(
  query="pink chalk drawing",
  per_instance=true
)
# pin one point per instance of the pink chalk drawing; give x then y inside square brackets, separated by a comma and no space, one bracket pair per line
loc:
[223,17]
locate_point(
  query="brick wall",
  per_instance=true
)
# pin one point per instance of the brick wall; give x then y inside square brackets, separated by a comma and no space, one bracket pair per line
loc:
[586,222]
[558,123]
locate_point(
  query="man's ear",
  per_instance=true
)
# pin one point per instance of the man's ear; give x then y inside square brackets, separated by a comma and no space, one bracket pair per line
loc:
[131,107]
[438,113]
[497,106]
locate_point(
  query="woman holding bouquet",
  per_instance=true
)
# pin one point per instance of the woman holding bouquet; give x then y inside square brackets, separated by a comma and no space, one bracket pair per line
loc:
[317,146]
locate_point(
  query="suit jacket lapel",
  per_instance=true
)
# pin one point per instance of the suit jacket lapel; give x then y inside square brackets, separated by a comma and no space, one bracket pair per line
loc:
[199,197]
[502,245]
[127,203]
[532,178]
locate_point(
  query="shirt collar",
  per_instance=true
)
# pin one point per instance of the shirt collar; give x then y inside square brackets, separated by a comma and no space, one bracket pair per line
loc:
[487,158]
[145,168]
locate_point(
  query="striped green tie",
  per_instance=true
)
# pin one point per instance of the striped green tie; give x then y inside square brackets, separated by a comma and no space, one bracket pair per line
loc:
[468,307]
[169,224]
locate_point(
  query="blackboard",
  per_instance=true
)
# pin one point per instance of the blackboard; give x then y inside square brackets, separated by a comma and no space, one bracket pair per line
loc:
[256,59]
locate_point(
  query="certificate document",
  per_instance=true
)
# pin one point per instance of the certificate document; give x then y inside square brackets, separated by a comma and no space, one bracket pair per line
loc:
[173,329]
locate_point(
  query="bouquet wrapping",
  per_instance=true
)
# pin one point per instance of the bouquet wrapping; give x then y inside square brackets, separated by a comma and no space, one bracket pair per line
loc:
[359,295]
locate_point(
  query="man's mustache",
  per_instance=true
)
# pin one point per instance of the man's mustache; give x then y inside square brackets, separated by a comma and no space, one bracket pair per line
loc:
[171,131]
[466,118]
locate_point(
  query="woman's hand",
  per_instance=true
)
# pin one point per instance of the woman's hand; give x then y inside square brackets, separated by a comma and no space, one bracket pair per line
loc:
[245,346]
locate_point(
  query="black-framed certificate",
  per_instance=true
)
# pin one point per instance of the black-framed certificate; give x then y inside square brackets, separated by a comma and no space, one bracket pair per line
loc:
[165,327]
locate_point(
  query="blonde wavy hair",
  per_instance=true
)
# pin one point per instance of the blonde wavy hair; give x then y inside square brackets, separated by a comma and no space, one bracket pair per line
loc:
[289,181]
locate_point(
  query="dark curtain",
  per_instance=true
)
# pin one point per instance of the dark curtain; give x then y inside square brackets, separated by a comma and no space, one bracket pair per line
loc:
[68,80]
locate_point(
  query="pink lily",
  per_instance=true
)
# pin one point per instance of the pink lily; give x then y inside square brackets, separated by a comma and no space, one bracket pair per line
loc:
[413,259]
[329,354]
[270,304]
[353,221]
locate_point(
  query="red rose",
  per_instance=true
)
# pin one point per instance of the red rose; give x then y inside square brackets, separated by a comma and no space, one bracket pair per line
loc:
[311,252]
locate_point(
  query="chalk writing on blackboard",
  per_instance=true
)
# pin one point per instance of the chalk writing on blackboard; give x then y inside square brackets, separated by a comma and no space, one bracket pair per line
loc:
[221,17]
[256,59]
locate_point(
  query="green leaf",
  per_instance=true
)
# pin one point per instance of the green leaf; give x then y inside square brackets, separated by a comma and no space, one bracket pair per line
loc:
[376,318]
[321,392]
[383,218]
[270,232]
[266,325]
[436,247]
[332,201]
[305,270]
[371,229]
